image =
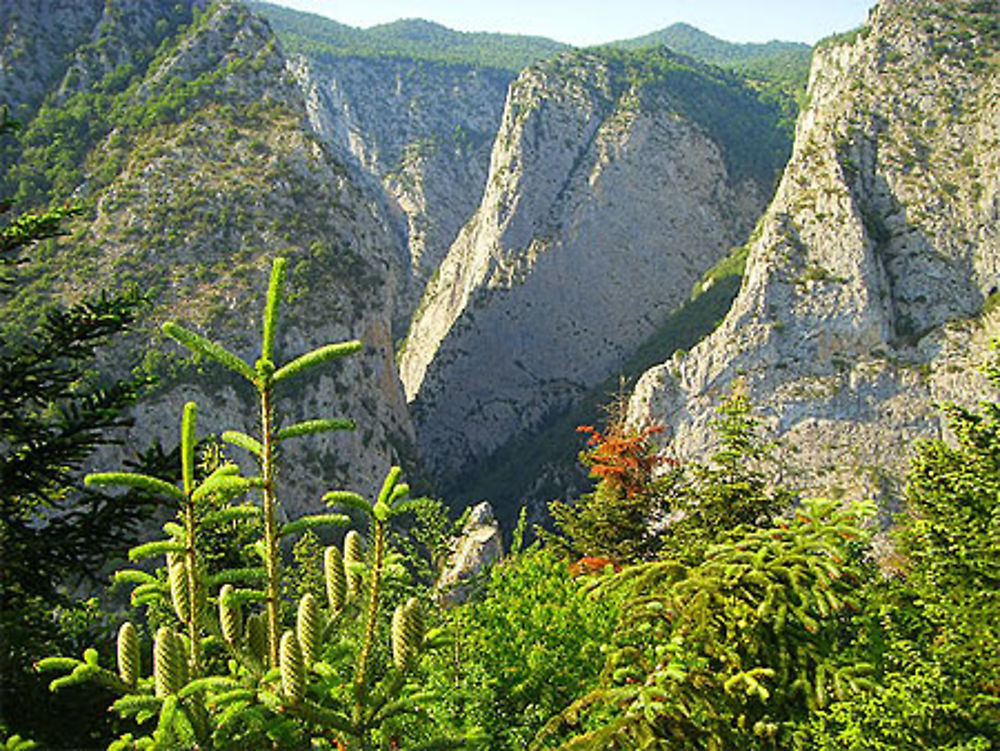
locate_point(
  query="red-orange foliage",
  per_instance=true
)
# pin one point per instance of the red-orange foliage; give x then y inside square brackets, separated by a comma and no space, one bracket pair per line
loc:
[623,462]
[592,564]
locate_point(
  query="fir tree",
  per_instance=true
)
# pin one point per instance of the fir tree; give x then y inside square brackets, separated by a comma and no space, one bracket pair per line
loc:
[53,415]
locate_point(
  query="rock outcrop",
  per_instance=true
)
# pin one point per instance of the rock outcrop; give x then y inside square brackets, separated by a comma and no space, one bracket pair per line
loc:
[869,289]
[208,170]
[479,545]
[611,190]
[420,130]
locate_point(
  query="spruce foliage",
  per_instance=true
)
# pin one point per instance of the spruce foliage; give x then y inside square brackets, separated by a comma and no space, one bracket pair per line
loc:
[54,412]
[278,682]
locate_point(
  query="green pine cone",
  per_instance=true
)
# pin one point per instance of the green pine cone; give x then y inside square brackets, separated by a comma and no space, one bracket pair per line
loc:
[257,636]
[407,633]
[230,617]
[200,600]
[309,629]
[293,670]
[168,662]
[353,553]
[180,596]
[128,654]
[414,622]
[183,646]
[401,648]
[336,579]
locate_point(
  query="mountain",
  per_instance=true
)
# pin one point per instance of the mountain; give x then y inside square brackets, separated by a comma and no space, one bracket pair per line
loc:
[320,38]
[616,180]
[871,281]
[414,108]
[782,62]
[419,132]
[192,154]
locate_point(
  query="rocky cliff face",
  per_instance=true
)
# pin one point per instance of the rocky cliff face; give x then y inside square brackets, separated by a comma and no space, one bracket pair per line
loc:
[868,294]
[610,192]
[209,169]
[421,130]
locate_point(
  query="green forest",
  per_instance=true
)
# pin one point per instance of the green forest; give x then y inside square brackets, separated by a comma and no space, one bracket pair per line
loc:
[175,227]
[743,616]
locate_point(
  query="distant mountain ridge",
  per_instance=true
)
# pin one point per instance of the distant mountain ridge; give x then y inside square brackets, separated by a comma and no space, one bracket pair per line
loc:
[317,36]
[320,37]
[682,37]
[783,63]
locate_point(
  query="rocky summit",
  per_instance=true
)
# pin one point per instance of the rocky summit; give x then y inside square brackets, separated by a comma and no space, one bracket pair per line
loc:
[870,288]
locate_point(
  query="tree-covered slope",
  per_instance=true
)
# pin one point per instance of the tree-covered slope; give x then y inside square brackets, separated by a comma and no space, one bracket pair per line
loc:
[321,38]
[194,168]
[774,60]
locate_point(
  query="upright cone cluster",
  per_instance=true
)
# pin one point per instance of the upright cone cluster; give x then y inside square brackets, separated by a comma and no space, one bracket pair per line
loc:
[309,628]
[128,655]
[353,553]
[257,636]
[293,670]
[168,662]
[179,594]
[336,579]
[407,633]
[230,616]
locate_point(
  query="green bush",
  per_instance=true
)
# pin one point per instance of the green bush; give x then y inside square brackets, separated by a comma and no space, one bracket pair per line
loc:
[530,643]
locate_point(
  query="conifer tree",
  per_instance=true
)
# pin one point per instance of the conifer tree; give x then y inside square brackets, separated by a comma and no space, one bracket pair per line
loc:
[733,635]
[225,673]
[53,415]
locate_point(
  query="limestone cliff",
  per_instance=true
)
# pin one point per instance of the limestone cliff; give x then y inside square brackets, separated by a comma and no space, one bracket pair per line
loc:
[37,38]
[616,180]
[206,169]
[419,129]
[869,289]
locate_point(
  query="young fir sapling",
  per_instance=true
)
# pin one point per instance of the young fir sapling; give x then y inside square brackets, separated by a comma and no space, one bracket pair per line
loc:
[229,679]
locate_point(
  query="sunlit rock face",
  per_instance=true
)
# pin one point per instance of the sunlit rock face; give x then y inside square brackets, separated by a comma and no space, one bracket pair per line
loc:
[867,295]
[606,200]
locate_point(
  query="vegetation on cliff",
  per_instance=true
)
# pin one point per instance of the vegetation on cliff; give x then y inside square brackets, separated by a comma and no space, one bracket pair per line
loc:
[703,603]
[320,38]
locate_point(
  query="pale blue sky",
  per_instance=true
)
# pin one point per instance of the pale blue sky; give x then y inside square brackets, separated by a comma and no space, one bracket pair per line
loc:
[586,22]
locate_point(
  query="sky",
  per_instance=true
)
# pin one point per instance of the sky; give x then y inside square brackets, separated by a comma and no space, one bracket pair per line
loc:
[587,22]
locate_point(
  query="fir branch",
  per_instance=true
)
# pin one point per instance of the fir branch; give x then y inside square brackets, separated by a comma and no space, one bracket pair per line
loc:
[314,358]
[231,514]
[200,345]
[189,422]
[244,441]
[152,485]
[311,427]
[313,522]
[224,486]
[347,499]
[274,290]
[152,549]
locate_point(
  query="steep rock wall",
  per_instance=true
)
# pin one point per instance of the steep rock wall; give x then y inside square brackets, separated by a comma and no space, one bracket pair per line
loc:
[420,130]
[606,200]
[211,170]
[867,294]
